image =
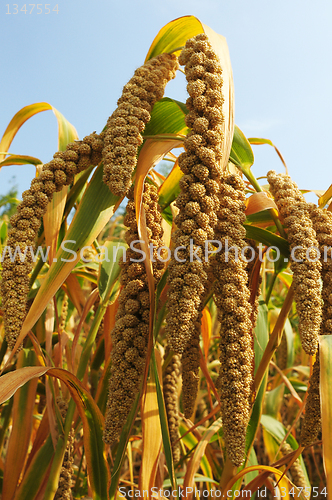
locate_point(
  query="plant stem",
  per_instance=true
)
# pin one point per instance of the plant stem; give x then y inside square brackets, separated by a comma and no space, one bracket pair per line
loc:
[269,291]
[227,474]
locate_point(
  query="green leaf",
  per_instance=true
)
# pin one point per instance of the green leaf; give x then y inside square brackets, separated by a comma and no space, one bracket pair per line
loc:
[110,269]
[35,474]
[258,217]
[288,331]
[241,152]
[167,117]
[278,432]
[273,400]
[267,238]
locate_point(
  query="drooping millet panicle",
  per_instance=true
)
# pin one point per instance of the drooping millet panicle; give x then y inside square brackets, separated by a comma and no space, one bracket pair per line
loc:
[282,352]
[124,127]
[170,390]
[232,297]
[251,254]
[322,223]
[197,201]
[56,174]
[131,330]
[63,491]
[190,372]
[296,469]
[64,312]
[295,212]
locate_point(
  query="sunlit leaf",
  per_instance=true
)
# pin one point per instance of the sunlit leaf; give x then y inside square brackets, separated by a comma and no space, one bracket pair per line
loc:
[66,132]
[174,35]
[258,202]
[170,187]
[151,431]
[325,354]
[20,160]
[267,238]
[196,458]
[259,141]
[17,447]
[241,152]
[109,268]
[167,117]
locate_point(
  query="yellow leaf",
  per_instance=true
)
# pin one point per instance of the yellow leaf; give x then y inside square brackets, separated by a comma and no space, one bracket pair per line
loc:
[151,432]
[220,46]
[258,202]
[174,35]
[325,197]
[195,461]
[206,323]
[325,354]
[66,132]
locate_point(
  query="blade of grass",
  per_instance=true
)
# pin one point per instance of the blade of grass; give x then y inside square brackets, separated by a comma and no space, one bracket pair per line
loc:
[325,354]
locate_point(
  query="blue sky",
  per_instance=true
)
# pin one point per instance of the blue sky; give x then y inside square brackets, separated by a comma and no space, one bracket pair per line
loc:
[79,59]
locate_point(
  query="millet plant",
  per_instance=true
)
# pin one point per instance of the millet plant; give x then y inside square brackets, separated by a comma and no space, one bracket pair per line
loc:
[160,347]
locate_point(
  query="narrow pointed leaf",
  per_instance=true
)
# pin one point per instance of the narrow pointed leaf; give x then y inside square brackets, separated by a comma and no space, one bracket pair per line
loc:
[20,160]
[170,187]
[89,412]
[93,423]
[324,199]
[195,461]
[325,354]
[174,35]
[151,433]
[241,152]
[259,141]
[109,271]
[206,330]
[267,238]
[164,424]
[17,448]
[67,133]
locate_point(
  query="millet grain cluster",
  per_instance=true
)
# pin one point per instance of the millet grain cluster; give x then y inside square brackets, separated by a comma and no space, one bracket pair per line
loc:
[295,212]
[170,389]
[56,174]
[232,297]
[131,331]
[124,127]
[197,203]
[65,480]
[311,426]
[253,281]
[296,469]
